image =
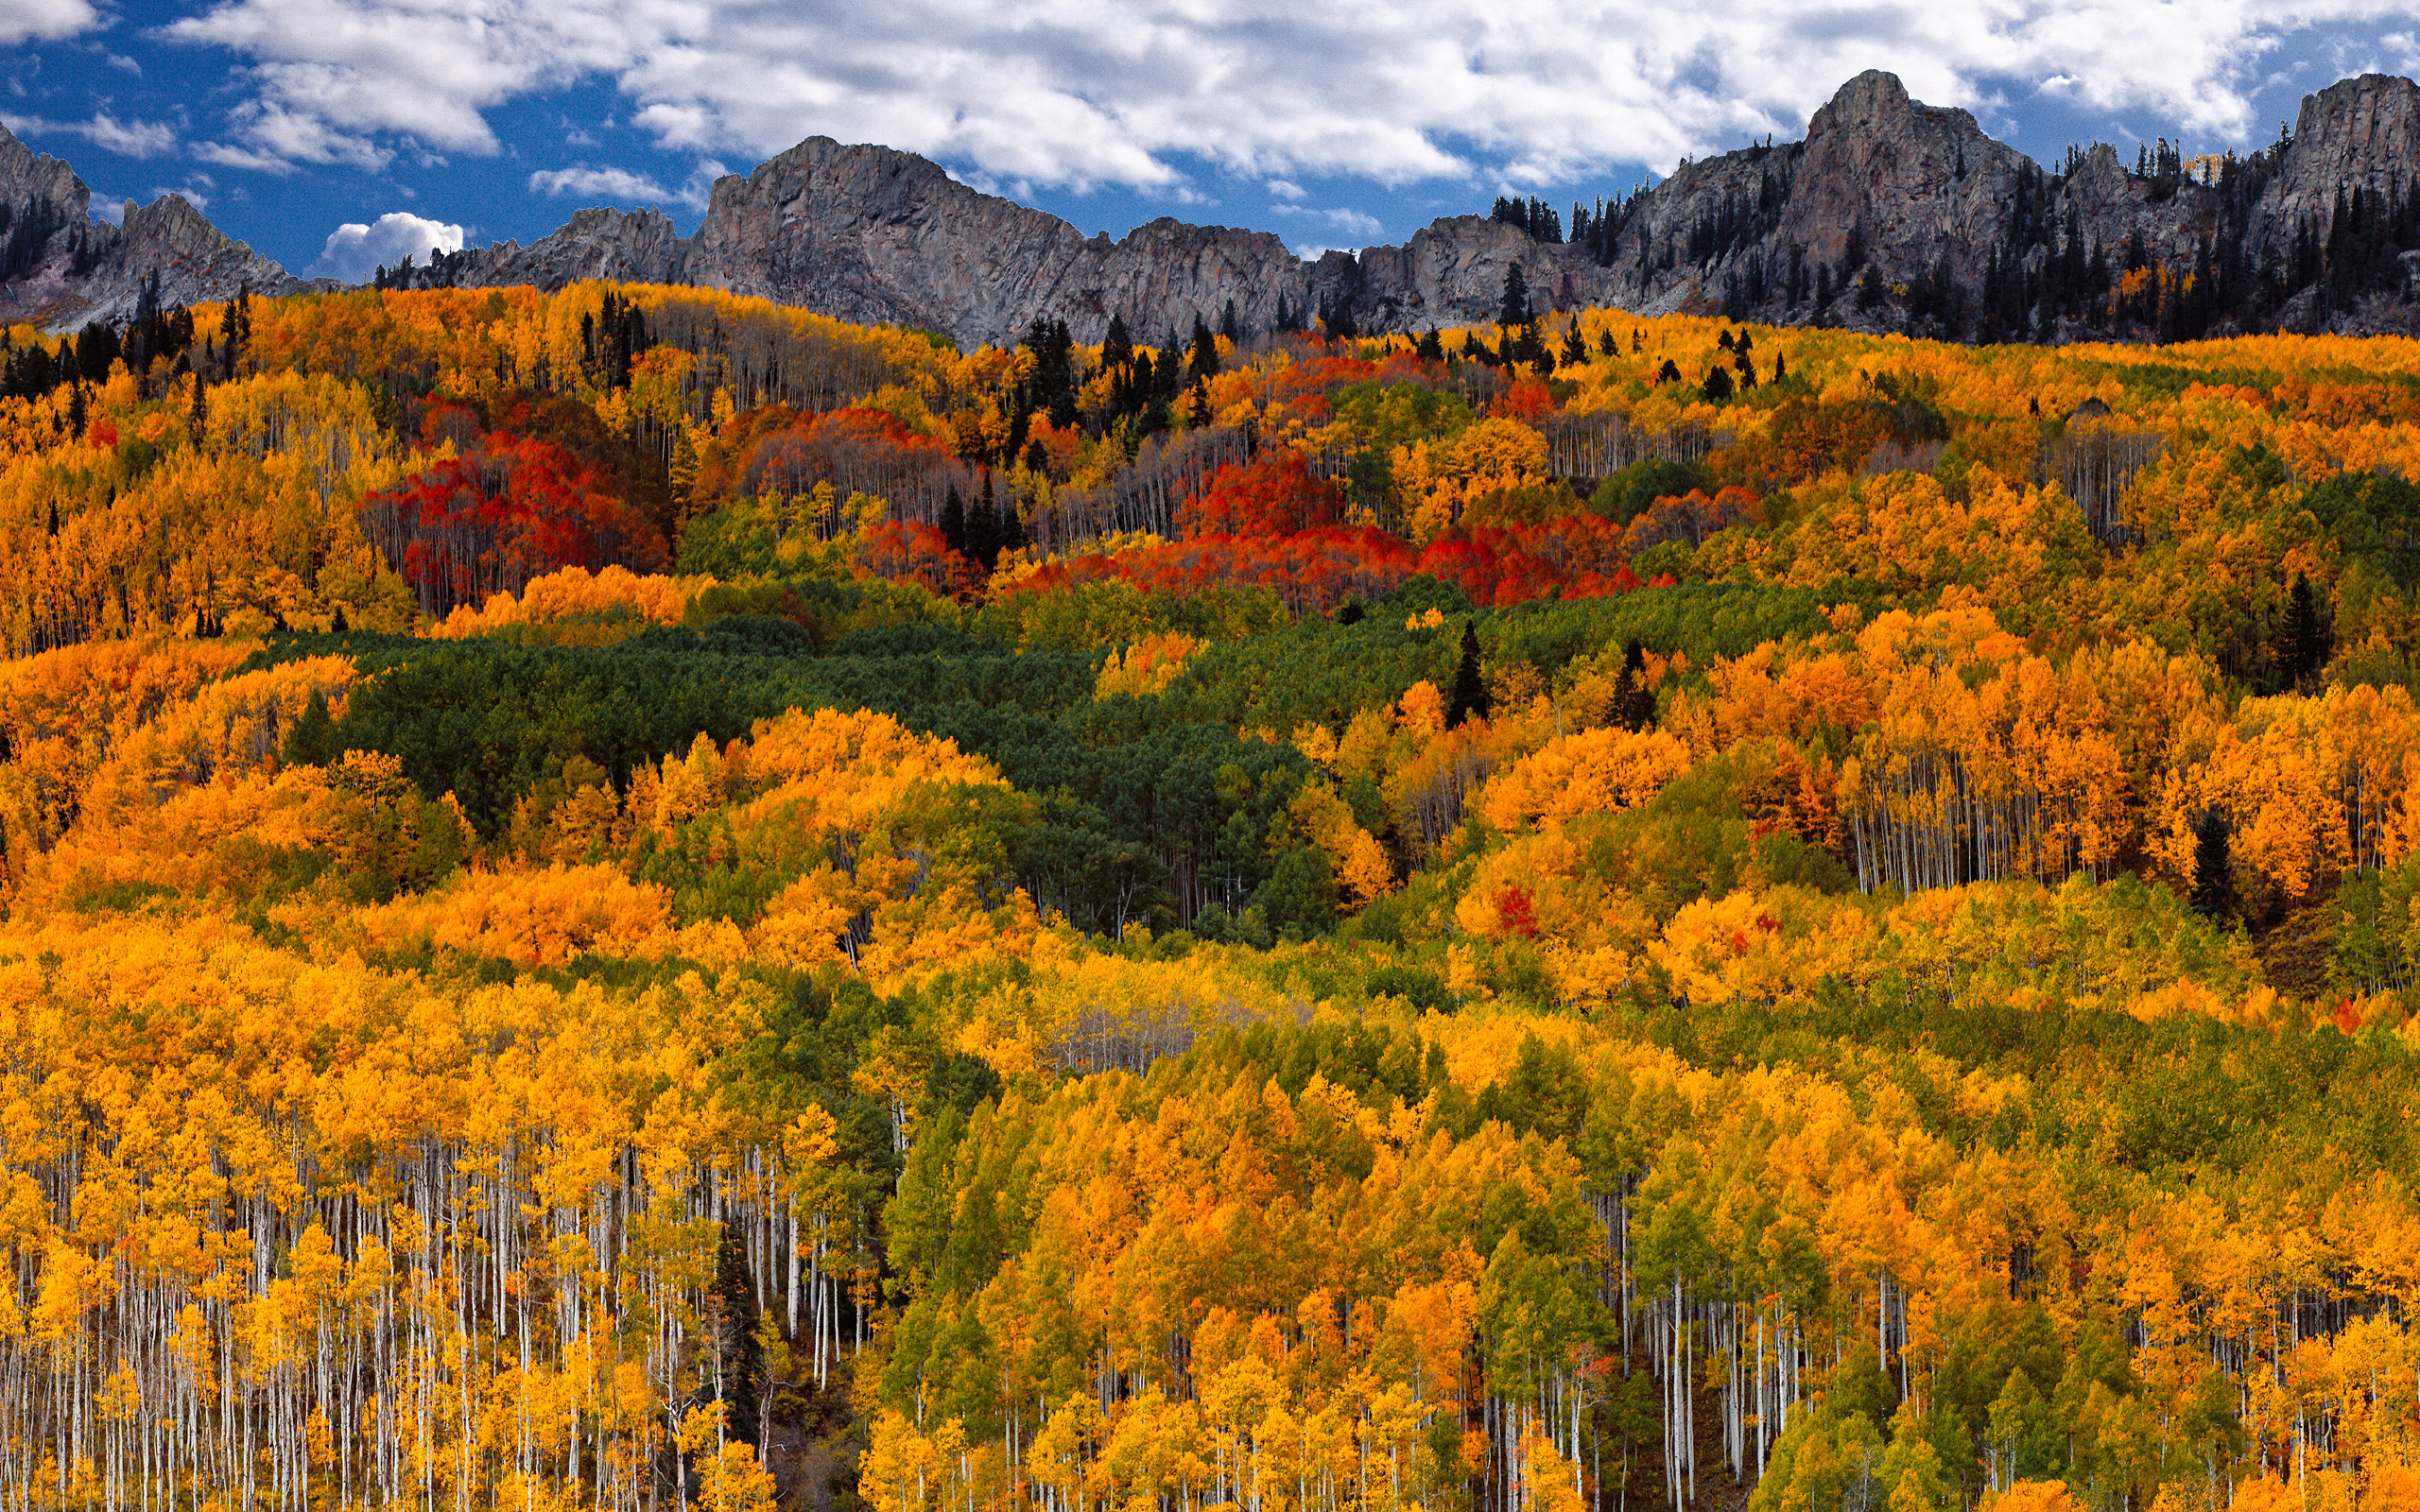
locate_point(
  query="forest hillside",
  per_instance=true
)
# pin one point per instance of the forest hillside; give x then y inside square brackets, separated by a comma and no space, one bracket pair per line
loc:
[631,898]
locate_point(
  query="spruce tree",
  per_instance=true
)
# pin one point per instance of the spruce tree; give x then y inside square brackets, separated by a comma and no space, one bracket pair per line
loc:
[2213,892]
[735,1358]
[312,739]
[1469,690]
[983,529]
[1634,700]
[1514,309]
[1205,360]
[954,520]
[2304,643]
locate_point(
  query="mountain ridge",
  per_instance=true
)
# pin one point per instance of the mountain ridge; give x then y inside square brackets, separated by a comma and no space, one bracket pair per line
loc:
[1937,228]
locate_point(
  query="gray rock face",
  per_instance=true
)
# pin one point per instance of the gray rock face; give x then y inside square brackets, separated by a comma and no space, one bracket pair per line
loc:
[1932,218]
[630,246]
[59,268]
[1928,193]
[1884,189]
[865,234]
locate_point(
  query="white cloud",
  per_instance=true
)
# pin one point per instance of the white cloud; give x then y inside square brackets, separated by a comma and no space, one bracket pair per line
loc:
[1286,190]
[45,20]
[1342,220]
[620,186]
[354,251]
[131,139]
[1075,93]
[227,156]
[599,183]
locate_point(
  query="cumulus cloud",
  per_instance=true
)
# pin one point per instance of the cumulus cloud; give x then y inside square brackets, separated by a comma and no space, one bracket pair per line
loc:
[619,186]
[1076,92]
[131,139]
[45,20]
[354,251]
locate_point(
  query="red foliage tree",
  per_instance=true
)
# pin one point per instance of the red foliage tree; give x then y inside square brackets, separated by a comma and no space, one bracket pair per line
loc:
[1273,495]
[509,510]
[906,552]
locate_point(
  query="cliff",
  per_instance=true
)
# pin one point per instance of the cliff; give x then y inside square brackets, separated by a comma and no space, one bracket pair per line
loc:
[1889,215]
[60,267]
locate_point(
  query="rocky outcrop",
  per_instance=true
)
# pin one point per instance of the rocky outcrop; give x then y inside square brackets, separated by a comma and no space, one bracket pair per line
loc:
[867,233]
[59,268]
[1938,228]
[1897,196]
[630,246]
[1889,215]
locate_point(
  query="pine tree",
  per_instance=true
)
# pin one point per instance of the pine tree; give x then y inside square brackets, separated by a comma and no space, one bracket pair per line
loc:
[735,1358]
[1469,690]
[312,739]
[1012,532]
[2213,891]
[954,520]
[1634,700]
[2304,643]
[1227,326]
[1514,309]
[1205,360]
[1432,348]
[983,529]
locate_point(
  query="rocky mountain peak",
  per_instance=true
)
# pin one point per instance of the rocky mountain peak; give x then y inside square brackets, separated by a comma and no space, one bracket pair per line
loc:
[60,267]
[2360,133]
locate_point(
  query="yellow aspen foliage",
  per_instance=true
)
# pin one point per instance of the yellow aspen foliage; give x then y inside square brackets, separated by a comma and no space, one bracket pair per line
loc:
[1438,479]
[532,918]
[1363,866]
[1146,667]
[1595,771]
[573,593]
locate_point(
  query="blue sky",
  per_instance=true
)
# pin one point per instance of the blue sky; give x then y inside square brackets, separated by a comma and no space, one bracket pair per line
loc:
[335,133]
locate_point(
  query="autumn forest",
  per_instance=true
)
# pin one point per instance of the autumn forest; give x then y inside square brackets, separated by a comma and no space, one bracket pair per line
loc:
[633,899]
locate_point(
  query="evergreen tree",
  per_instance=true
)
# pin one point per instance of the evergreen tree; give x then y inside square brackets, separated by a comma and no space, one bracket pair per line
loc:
[1514,309]
[734,1357]
[1227,326]
[2304,643]
[1432,348]
[1117,348]
[1718,383]
[337,625]
[983,529]
[954,519]
[1205,360]
[2213,891]
[1634,700]
[1469,690]
[312,739]
[1012,532]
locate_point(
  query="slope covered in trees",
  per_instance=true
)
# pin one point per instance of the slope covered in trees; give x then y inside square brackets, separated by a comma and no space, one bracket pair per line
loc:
[632,898]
